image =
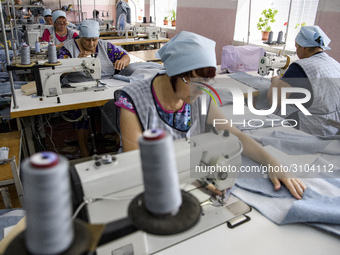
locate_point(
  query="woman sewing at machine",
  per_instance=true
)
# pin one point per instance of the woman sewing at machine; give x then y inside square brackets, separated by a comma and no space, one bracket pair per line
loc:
[58,33]
[111,58]
[168,100]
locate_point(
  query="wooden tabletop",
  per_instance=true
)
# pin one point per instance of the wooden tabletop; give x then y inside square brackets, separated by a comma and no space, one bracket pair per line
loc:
[146,55]
[131,41]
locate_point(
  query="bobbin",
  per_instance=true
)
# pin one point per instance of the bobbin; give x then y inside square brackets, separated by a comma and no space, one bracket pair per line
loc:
[162,208]
[44,174]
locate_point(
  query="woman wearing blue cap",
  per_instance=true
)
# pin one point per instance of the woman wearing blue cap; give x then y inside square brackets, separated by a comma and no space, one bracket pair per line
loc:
[48,16]
[58,33]
[317,72]
[111,58]
[172,102]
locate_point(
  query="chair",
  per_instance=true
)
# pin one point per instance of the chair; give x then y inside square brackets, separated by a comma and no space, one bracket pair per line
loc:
[9,169]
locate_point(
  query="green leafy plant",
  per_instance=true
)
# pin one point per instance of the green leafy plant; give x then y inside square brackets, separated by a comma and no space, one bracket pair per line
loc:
[267,15]
[166,18]
[172,14]
[297,25]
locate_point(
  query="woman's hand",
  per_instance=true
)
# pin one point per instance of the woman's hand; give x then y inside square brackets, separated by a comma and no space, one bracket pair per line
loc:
[58,46]
[295,186]
[120,64]
[84,54]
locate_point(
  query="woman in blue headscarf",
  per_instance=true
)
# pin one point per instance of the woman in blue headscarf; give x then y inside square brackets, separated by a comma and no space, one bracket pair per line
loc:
[111,58]
[316,72]
[171,101]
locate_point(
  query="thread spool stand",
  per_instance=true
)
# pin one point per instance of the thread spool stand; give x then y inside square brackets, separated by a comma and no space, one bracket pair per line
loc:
[80,244]
[188,215]
[162,209]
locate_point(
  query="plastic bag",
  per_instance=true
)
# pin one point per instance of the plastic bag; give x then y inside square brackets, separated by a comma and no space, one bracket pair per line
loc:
[241,58]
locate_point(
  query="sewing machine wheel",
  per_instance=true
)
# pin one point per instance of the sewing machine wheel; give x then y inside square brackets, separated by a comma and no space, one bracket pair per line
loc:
[80,245]
[188,215]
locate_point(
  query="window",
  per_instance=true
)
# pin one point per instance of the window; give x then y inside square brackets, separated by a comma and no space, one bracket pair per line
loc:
[302,12]
[137,10]
[162,8]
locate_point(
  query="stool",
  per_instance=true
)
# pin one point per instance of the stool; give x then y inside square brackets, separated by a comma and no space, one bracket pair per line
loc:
[9,172]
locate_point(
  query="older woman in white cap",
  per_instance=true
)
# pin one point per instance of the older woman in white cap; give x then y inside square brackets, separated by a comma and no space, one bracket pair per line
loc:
[58,33]
[318,73]
[171,101]
[111,58]
[48,16]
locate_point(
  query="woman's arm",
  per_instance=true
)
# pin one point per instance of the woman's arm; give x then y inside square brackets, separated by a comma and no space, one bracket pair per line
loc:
[130,130]
[277,83]
[118,56]
[256,152]
[122,63]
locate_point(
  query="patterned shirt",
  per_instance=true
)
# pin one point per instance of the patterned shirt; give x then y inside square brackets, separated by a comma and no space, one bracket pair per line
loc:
[113,52]
[46,36]
[179,120]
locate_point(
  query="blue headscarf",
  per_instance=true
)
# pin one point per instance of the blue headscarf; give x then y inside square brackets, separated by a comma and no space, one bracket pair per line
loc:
[57,14]
[47,12]
[186,52]
[89,29]
[312,36]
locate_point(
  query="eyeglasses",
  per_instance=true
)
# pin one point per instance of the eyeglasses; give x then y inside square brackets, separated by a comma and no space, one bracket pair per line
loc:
[61,23]
[199,82]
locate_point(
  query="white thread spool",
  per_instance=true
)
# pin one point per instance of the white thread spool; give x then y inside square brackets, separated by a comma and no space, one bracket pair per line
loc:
[37,46]
[161,185]
[25,55]
[47,204]
[52,54]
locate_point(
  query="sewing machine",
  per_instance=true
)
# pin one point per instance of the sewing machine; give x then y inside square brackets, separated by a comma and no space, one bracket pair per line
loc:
[50,74]
[271,62]
[33,32]
[108,25]
[152,32]
[109,183]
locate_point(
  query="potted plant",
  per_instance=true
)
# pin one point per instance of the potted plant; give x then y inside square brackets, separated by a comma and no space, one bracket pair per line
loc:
[165,21]
[267,15]
[173,17]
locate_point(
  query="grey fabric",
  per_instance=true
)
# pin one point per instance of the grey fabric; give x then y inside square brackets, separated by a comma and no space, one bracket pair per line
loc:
[5,87]
[323,73]
[133,67]
[9,217]
[300,144]
[20,39]
[319,206]
[226,96]
[139,71]
[256,82]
